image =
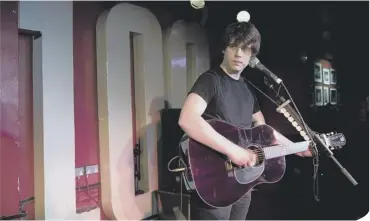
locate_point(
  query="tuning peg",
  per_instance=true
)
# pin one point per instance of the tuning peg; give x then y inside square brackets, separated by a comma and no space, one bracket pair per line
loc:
[302,133]
[299,128]
[306,138]
[286,114]
[295,124]
[290,119]
[282,110]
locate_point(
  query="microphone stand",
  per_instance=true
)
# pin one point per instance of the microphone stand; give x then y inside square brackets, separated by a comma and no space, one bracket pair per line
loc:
[320,142]
[330,154]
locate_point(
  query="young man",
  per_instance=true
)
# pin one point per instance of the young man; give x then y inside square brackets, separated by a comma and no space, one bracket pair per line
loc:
[222,93]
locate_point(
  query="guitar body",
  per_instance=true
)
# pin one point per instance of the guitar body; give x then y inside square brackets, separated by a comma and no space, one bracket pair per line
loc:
[216,183]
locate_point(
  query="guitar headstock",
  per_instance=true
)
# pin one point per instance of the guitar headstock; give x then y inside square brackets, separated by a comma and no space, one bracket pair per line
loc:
[334,140]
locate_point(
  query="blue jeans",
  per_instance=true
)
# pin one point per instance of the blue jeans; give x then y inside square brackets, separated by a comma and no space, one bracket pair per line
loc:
[237,211]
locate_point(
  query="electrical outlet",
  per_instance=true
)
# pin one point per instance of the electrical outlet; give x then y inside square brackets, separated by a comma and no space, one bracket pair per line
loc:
[92,169]
[80,171]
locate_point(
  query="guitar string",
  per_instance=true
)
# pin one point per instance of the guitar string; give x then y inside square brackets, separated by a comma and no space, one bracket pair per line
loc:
[258,152]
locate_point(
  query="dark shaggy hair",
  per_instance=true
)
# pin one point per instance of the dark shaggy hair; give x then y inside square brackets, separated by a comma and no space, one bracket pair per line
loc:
[243,34]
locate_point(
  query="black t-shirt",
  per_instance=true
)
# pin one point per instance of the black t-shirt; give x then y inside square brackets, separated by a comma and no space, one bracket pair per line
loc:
[228,99]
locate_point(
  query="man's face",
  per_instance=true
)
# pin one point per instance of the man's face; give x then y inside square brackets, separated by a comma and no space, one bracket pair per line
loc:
[236,57]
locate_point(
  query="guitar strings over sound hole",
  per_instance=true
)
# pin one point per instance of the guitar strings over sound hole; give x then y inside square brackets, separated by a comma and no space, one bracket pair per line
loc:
[229,165]
[259,153]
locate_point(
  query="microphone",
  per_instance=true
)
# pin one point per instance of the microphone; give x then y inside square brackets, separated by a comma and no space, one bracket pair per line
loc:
[255,63]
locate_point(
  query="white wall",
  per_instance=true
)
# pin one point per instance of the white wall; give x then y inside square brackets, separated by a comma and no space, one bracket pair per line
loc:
[182,71]
[53,107]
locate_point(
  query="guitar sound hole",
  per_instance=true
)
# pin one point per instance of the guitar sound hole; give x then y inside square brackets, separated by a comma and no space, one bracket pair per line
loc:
[229,166]
[260,155]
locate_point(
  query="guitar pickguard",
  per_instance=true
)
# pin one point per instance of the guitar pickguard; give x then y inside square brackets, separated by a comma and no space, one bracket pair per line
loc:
[248,174]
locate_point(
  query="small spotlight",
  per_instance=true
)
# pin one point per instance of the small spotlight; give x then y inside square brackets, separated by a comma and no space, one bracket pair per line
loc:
[197,4]
[304,57]
[243,16]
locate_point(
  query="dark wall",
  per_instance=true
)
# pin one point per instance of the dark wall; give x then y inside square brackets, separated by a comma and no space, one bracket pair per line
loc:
[290,29]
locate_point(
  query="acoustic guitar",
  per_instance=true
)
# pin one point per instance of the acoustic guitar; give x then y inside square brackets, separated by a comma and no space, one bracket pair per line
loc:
[220,183]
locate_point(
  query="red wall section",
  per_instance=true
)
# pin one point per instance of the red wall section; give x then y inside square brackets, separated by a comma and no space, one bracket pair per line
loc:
[85,15]
[9,103]
[84,55]
[16,124]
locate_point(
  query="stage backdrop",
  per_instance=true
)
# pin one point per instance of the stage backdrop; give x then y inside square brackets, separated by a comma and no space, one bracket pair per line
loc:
[137,68]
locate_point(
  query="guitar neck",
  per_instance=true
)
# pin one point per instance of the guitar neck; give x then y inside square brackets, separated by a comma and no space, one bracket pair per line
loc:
[284,150]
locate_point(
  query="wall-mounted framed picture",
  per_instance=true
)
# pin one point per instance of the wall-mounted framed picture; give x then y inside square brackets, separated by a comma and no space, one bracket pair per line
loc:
[326,76]
[333,76]
[326,98]
[318,96]
[317,72]
[333,96]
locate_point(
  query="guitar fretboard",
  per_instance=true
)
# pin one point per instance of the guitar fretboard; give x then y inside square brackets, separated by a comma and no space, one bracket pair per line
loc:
[283,150]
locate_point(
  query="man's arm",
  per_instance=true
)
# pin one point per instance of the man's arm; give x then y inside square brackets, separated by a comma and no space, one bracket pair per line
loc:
[191,120]
[193,124]
[258,118]
[306,153]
